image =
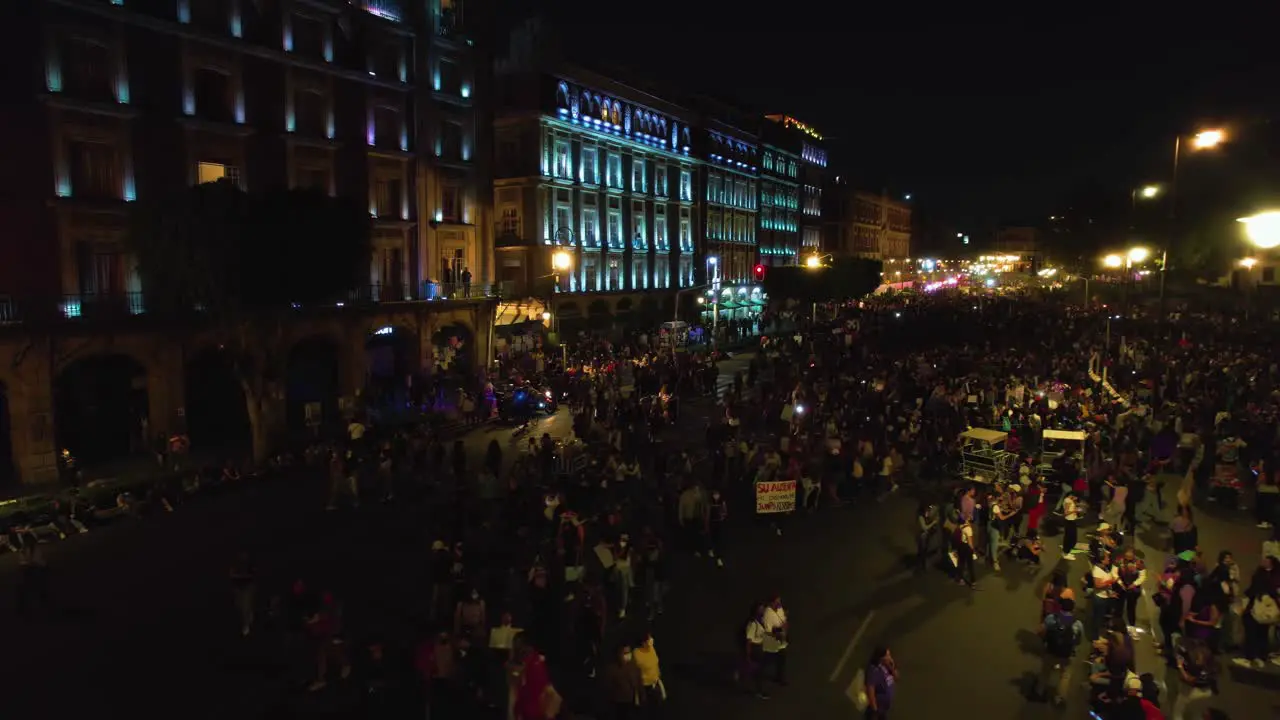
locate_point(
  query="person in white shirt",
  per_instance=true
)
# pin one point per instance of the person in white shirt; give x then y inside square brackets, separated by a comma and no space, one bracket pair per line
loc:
[1070,526]
[775,640]
[1105,575]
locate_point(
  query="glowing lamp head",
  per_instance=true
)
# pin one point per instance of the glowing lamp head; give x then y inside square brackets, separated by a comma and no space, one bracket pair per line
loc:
[1248,263]
[1206,139]
[1263,229]
[561,260]
[1138,254]
[812,261]
[1150,191]
[1113,261]
[546,316]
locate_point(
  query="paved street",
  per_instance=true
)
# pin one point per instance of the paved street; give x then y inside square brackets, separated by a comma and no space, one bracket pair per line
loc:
[148,623]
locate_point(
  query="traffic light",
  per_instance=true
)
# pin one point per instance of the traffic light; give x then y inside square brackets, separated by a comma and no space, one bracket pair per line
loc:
[759,272]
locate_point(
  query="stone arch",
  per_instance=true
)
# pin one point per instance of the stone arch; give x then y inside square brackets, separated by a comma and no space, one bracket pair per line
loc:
[216,416]
[392,364]
[313,382]
[101,406]
[624,306]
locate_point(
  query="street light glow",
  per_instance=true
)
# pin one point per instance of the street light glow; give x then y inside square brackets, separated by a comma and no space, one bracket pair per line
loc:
[1138,254]
[1248,263]
[1150,191]
[546,316]
[561,260]
[1113,261]
[1206,139]
[1263,229]
[812,262]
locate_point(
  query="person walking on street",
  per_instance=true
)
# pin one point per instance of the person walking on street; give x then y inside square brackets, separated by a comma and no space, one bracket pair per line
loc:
[1062,634]
[881,679]
[775,639]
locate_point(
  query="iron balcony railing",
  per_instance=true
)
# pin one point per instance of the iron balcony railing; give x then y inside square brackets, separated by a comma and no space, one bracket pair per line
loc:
[95,306]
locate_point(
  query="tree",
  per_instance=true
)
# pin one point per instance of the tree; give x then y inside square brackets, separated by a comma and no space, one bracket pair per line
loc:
[243,262]
[842,279]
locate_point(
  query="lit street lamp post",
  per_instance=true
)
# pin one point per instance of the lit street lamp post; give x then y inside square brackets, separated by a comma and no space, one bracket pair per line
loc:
[561,261]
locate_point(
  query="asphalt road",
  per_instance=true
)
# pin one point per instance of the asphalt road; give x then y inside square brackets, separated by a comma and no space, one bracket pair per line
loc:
[144,619]
[146,624]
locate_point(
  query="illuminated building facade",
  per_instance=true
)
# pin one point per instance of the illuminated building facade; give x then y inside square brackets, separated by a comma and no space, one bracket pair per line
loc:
[731,186]
[780,196]
[130,99]
[590,167]
[811,147]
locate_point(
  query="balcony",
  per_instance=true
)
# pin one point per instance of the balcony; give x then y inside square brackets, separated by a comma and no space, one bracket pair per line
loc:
[92,307]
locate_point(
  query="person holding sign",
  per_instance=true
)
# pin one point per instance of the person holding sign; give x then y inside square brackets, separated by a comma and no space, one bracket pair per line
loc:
[774,498]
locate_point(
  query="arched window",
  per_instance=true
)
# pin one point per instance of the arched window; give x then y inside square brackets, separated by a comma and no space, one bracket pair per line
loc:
[684,136]
[562,95]
[662,127]
[615,114]
[675,136]
[626,120]
[595,107]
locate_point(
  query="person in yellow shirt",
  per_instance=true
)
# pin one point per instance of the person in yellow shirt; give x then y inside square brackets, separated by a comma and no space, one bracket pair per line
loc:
[645,657]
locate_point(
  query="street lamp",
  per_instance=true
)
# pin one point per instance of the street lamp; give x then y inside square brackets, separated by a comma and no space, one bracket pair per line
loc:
[1113,261]
[561,261]
[1150,191]
[1206,139]
[812,262]
[1137,255]
[1262,230]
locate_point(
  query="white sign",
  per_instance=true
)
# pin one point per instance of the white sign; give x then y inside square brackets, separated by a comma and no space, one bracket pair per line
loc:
[776,497]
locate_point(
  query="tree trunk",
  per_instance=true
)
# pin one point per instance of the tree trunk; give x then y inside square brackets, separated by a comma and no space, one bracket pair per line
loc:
[259,427]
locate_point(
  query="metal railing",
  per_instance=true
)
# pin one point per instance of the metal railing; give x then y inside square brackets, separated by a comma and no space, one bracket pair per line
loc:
[96,306]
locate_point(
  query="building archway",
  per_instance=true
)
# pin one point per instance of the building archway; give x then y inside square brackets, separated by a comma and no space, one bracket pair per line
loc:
[101,408]
[313,384]
[599,315]
[392,359]
[216,416]
[8,467]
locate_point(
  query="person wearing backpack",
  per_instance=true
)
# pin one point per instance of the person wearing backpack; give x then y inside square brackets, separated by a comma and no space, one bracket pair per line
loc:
[1062,633]
[1261,613]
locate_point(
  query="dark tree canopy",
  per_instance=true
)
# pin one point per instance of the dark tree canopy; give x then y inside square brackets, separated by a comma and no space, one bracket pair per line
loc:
[842,279]
[218,248]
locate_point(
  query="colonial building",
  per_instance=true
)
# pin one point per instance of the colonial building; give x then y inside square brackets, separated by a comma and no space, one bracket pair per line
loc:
[129,99]
[868,225]
[731,185]
[592,173]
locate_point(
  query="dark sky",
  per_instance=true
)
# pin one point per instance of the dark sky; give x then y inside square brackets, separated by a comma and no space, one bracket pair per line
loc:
[984,121]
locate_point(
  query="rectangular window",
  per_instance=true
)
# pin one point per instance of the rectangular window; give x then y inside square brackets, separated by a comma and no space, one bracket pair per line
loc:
[450,77]
[88,67]
[386,194]
[563,163]
[450,203]
[318,179]
[590,227]
[639,238]
[311,113]
[614,171]
[660,181]
[614,229]
[451,140]
[564,221]
[638,183]
[686,232]
[639,273]
[591,272]
[686,186]
[95,170]
[207,172]
[614,279]
[386,127]
[590,170]
[510,222]
[213,94]
[102,273]
[308,37]
[660,230]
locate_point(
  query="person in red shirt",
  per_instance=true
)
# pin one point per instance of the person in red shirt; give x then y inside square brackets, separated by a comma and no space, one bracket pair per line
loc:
[534,680]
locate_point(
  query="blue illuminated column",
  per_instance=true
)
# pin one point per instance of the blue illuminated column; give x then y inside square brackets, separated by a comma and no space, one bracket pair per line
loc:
[328,125]
[128,191]
[288,32]
[61,170]
[371,132]
[122,77]
[237,23]
[239,99]
[290,112]
[52,69]
[184,11]
[404,136]
[188,89]
[328,43]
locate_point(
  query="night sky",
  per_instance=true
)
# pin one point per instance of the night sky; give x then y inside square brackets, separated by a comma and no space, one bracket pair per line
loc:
[986,122]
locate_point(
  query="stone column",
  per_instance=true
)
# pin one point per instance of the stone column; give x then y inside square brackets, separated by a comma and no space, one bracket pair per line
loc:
[30,387]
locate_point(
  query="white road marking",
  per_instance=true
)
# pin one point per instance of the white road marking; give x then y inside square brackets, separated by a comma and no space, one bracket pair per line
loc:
[848,651]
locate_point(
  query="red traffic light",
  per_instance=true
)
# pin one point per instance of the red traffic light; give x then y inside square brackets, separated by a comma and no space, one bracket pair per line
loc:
[759,272]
